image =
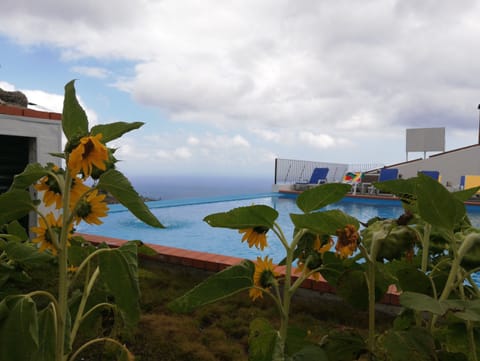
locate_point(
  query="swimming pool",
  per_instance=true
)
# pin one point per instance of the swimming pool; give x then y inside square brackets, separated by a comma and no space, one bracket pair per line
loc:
[185,228]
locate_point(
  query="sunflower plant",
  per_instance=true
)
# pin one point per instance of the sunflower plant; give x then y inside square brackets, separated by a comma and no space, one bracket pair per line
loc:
[430,253]
[309,246]
[59,322]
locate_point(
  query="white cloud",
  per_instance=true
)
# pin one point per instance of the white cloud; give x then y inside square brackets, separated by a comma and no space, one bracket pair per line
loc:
[94,72]
[284,74]
[316,140]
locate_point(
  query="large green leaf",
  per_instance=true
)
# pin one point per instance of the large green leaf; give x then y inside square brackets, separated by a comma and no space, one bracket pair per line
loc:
[14,205]
[412,279]
[262,341]
[326,222]
[244,217]
[119,271]
[466,194]
[16,229]
[74,118]
[470,312]
[421,302]
[114,130]
[218,286]
[309,353]
[46,326]
[32,173]
[344,346]
[18,328]
[26,254]
[120,187]
[413,344]
[399,187]
[436,205]
[321,196]
[352,287]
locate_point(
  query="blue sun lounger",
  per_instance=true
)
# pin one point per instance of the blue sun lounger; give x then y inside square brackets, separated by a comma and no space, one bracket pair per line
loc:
[319,176]
[435,174]
[385,175]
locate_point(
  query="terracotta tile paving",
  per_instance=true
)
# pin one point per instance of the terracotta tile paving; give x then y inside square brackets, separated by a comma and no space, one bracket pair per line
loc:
[215,262]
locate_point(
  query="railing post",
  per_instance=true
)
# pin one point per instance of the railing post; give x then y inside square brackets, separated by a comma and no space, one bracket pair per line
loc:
[275,175]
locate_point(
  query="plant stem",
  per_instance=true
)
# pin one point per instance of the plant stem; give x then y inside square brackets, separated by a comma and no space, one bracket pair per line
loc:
[371,306]
[86,293]
[97,340]
[425,246]
[471,341]
[63,284]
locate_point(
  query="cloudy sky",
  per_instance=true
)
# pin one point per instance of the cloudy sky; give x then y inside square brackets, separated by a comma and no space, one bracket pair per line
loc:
[225,87]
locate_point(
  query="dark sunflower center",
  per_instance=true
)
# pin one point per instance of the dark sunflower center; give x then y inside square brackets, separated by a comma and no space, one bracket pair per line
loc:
[88,148]
[266,279]
[53,185]
[260,230]
[84,209]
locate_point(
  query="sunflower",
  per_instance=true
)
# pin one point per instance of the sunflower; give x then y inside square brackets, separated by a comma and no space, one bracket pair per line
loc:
[77,190]
[255,236]
[89,152]
[91,208]
[347,241]
[50,188]
[263,277]
[314,256]
[44,236]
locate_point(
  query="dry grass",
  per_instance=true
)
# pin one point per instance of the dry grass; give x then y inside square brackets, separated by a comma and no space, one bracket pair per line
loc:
[220,331]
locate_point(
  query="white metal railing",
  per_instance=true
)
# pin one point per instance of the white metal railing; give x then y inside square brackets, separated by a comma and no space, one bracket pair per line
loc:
[290,171]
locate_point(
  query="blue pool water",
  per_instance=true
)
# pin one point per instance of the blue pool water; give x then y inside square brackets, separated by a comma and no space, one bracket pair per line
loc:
[185,228]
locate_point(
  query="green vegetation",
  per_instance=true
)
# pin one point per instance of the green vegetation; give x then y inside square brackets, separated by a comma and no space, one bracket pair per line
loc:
[220,331]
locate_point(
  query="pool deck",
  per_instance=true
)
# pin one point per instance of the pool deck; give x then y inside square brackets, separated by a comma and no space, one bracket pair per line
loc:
[214,262]
[475,201]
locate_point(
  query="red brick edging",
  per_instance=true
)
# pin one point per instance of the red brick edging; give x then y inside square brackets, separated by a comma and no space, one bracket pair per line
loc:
[215,262]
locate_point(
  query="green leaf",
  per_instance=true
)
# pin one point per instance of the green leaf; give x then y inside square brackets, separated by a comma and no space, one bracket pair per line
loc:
[46,327]
[18,328]
[344,346]
[398,187]
[114,130]
[26,254]
[262,340]
[465,194]
[321,196]
[119,271]
[309,353]
[14,205]
[74,118]
[436,205]
[119,186]
[412,279]
[414,344]
[244,217]
[352,287]
[218,286]
[31,174]
[16,229]
[326,222]
[421,302]
[470,311]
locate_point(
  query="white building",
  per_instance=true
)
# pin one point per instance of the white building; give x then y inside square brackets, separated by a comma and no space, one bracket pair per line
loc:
[27,136]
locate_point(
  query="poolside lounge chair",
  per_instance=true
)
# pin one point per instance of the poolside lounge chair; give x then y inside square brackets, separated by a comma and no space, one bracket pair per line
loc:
[385,175]
[319,176]
[435,174]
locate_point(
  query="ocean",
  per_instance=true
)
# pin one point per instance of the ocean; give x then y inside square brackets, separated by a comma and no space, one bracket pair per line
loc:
[195,186]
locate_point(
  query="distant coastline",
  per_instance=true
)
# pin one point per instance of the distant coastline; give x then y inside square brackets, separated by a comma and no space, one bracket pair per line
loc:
[188,186]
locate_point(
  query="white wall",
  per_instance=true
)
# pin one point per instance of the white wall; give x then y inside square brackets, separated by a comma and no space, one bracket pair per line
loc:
[451,165]
[47,132]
